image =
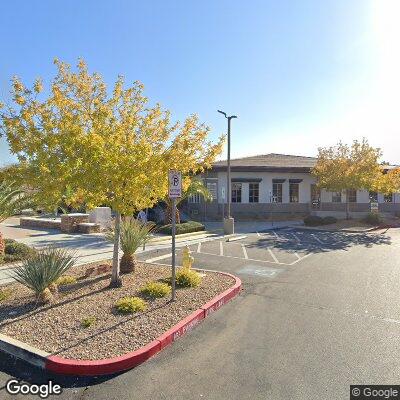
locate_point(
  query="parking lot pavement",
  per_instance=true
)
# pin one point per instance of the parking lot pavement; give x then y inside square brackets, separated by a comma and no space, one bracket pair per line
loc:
[273,250]
[303,327]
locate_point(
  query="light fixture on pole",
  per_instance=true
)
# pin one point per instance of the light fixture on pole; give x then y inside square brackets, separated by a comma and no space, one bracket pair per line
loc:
[229,221]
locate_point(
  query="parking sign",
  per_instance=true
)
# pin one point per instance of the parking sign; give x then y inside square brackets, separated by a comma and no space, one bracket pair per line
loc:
[175,184]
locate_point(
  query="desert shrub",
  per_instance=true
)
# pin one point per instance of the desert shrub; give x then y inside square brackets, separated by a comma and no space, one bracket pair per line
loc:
[15,251]
[66,280]
[42,270]
[128,305]
[313,220]
[373,218]
[156,289]
[4,294]
[88,322]
[186,227]
[329,220]
[187,278]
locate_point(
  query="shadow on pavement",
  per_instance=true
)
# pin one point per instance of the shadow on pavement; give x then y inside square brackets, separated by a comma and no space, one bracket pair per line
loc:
[320,242]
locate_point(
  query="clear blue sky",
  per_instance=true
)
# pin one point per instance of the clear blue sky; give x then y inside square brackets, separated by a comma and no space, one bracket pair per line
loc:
[299,74]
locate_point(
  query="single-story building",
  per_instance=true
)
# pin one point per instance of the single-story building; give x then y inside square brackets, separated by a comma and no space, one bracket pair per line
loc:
[278,184]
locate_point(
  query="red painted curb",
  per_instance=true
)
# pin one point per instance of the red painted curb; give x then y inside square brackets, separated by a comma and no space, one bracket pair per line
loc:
[66,366]
[117,364]
[222,298]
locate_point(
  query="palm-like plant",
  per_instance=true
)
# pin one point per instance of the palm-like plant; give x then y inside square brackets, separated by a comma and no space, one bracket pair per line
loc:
[133,234]
[41,271]
[195,187]
[10,202]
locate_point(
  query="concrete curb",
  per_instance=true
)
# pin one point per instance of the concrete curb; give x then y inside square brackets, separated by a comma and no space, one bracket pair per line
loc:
[127,361]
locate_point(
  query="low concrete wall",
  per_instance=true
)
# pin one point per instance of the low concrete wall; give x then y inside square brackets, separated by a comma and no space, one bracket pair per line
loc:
[35,222]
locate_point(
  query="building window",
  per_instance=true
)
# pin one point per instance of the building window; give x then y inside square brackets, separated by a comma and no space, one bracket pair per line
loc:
[294,192]
[194,198]
[276,193]
[373,197]
[253,192]
[352,195]
[336,197]
[388,198]
[236,192]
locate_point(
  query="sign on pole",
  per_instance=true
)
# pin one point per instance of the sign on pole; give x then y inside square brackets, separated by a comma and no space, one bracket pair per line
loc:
[175,184]
[374,206]
[174,192]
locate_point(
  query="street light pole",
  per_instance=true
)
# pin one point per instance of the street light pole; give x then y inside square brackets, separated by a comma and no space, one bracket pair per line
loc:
[228,222]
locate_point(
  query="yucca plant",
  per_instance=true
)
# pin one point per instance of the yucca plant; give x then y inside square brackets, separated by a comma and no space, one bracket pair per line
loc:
[133,234]
[41,271]
[12,199]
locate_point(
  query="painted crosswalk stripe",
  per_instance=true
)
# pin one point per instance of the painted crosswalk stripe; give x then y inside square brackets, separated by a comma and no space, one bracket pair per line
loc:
[272,255]
[245,252]
[150,260]
[221,249]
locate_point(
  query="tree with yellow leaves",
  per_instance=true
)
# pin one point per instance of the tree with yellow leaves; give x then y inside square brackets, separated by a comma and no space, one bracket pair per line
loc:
[82,145]
[342,168]
[389,182]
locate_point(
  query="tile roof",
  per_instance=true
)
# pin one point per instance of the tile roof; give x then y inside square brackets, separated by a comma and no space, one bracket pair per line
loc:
[266,161]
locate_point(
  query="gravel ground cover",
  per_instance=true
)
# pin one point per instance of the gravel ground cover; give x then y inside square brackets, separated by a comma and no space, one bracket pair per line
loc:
[57,327]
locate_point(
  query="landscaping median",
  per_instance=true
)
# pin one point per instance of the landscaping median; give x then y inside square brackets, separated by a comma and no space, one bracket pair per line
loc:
[83,332]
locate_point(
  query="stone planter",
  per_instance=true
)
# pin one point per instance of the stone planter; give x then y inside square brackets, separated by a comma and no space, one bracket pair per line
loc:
[70,222]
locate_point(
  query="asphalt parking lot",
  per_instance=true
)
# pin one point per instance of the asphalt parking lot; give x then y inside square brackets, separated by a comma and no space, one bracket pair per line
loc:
[266,254]
[318,311]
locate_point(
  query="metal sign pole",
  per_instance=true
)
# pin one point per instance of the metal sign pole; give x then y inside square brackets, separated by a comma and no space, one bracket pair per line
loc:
[175,191]
[173,248]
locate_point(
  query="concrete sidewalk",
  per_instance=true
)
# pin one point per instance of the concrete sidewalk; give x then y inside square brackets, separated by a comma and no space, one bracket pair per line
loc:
[242,227]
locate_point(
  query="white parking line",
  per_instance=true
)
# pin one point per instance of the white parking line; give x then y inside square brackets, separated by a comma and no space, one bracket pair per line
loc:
[302,258]
[276,235]
[296,237]
[258,234]
[250,259]
[221,249]
[199,247]
[150,260]
[245,252]
[272,255]
[317,238]
[298,257]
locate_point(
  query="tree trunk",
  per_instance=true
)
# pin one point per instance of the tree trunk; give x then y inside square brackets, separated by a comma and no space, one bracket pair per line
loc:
[168,215]
[115,276]
[45,297]
[128,263]
[347,205]
[2,246]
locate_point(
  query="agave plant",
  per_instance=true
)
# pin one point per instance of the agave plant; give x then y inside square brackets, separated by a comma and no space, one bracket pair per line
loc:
[41,271]
[133,234]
